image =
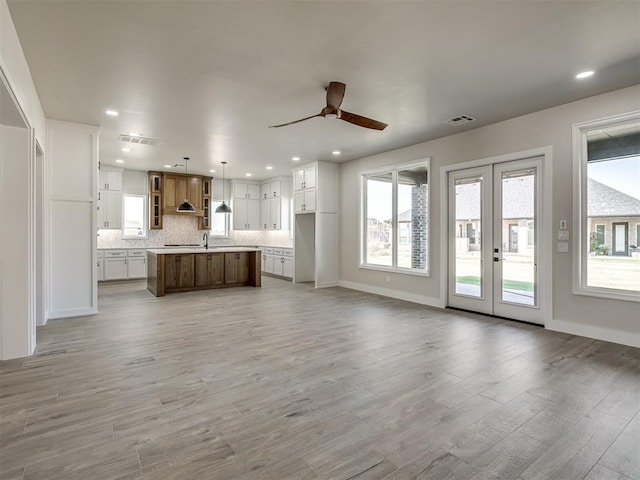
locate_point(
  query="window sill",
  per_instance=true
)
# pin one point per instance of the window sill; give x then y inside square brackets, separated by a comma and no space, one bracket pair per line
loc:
[403,271]
[607,293]
[134,237]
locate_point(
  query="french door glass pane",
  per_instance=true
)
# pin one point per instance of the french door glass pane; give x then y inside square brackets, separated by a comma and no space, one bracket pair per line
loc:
[468,248]
[518,237]
[379,219]
[412,218]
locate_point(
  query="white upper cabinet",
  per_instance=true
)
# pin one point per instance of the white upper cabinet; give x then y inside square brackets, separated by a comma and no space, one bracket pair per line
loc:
[316,188]
[249,191]
[275,204]
[304,177]
[110,179]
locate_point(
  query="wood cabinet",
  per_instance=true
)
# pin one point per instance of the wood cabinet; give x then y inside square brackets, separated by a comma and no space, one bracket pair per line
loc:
[178,271]
[202,270]
[155,200]
[209,269]
[204,222]
[177,188]
[236,267]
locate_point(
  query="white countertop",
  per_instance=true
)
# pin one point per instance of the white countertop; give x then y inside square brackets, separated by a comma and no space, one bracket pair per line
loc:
[178,251]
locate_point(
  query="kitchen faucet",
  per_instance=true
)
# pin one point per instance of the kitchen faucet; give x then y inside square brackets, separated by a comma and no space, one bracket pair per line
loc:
[205,237]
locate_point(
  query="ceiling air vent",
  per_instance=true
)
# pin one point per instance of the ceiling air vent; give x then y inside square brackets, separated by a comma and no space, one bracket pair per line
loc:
[459,120]
[138,140]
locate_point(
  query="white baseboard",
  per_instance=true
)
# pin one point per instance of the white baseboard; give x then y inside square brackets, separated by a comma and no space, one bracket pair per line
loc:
[73,312]
[386,292]
[599,333]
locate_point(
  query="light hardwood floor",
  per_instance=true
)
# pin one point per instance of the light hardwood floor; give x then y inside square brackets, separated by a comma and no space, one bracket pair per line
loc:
[288,382]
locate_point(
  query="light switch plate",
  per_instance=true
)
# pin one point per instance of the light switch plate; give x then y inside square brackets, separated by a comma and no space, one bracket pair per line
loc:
[563,234]
[563,247]
[563,224]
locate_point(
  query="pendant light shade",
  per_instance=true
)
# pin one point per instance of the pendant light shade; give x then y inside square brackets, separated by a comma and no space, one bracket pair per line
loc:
[223,208]
[186,206]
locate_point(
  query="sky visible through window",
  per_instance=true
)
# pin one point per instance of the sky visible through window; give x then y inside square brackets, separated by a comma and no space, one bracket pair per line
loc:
[622,174]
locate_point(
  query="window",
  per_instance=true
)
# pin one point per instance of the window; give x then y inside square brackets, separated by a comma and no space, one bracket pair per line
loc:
[395,218]
[134,222]
[607,203]
[219,221]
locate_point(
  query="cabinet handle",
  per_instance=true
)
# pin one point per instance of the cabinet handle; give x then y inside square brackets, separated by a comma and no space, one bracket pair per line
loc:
[274,226]
[274,194]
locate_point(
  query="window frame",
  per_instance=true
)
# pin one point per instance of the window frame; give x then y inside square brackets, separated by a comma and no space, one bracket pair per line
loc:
[581,240]
[393,169]
[145,217]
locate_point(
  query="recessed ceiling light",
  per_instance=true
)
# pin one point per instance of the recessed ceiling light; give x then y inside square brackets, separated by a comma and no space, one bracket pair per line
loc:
[269,167]
[134,134]
[119,161]
[111,113]
[126,149]
[295,159]
[247,174]
[167,166]
[336,152]
[212,171]
[585,74]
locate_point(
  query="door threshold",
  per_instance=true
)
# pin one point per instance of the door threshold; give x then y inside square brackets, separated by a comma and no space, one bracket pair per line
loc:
[496,316]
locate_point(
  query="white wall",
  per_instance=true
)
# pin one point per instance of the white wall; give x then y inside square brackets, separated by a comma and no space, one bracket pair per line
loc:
[16,316]
[72,193]
[596,317]
[18,268]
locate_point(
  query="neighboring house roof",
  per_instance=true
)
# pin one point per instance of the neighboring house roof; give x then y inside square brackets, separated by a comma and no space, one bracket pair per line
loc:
[605,201]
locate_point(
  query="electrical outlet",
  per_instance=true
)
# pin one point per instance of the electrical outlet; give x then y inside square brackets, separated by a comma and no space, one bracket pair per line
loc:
[563,247]
[563,234]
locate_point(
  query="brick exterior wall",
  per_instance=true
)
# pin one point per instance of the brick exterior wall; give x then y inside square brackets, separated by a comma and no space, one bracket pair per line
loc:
[419,226]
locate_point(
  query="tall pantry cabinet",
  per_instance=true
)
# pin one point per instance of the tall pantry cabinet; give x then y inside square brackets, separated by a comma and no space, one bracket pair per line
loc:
[316,201]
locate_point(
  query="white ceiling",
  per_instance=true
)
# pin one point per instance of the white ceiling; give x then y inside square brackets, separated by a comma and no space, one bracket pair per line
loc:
[206,78]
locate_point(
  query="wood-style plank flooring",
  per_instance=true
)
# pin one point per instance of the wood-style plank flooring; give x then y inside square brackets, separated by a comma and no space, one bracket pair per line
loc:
[288,382]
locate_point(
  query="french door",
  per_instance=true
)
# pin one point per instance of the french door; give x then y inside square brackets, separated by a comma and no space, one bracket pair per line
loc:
[494,217]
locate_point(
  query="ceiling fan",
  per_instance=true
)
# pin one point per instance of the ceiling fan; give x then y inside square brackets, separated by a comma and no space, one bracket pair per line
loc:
[335,94]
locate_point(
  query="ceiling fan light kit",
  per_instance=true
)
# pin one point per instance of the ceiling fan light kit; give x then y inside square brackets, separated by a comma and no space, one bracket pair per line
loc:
[335,95]
[186,206]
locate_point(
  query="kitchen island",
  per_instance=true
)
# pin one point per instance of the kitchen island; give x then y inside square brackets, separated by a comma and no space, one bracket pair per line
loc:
[171,270]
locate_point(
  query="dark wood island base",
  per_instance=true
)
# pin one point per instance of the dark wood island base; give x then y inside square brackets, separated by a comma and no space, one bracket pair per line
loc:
[187,269]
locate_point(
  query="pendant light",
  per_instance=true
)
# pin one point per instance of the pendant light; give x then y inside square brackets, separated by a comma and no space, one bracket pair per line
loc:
[223,207]
[186,206]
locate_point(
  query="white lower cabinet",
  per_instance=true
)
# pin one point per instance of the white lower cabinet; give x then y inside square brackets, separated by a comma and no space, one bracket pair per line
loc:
[115,265]
[278,261]
[137,264]
[122,264]
[100,272]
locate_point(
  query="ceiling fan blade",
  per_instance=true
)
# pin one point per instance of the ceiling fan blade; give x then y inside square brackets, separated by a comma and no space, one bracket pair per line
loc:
[295,121]
[361,121]
[335,94]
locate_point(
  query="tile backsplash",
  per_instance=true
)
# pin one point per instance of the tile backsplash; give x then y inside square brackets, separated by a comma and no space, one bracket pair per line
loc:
[185,230]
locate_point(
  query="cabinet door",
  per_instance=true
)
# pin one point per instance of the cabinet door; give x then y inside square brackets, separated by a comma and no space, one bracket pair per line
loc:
[287,267]
[115,268]
[209,269]
[298,179]
[239,190]
[114,181]
[169,190]
[236,267]
[240,206]
[310,177]
[265,191]
[274,213]
[310,200]
[269,264]
[253,191]
[195,192]
[100,271]
[102,207]
[265,214]
[113,209]
[136,267]
[182,190]
[275,188]
[253,215]
[178,271]
[263,265]
[298,201]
